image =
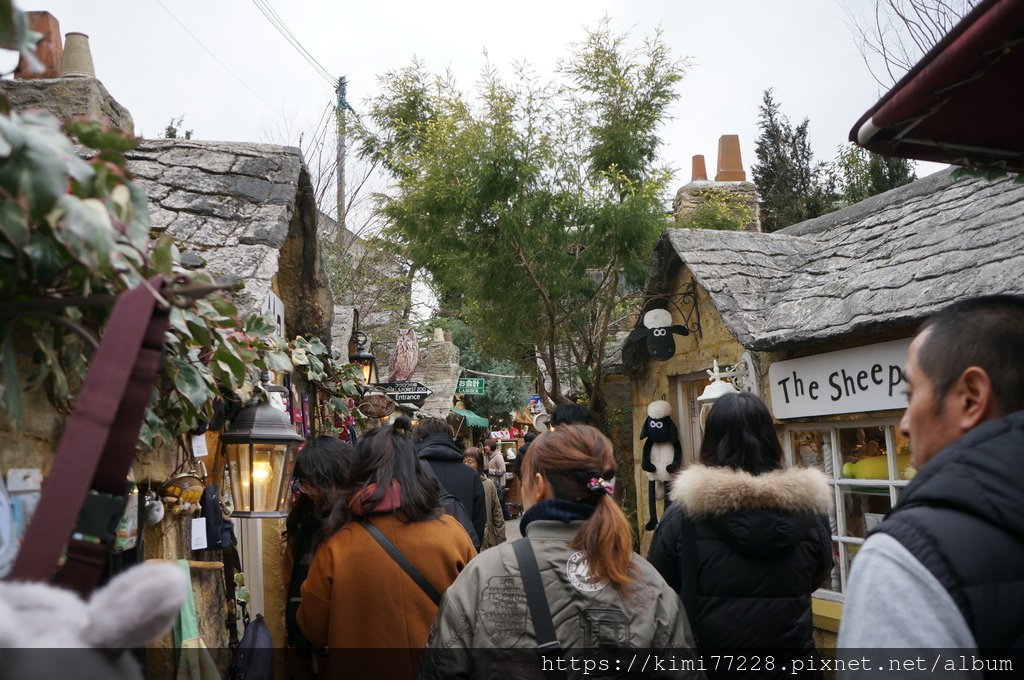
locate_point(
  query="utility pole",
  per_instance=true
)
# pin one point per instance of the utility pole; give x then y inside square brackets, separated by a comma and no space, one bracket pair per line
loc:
[342,91]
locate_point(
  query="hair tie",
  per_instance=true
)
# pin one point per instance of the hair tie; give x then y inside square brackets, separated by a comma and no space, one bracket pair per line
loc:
[600,486]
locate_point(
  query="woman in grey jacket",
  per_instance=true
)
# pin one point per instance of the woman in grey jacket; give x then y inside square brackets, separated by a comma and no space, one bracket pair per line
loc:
[599,592]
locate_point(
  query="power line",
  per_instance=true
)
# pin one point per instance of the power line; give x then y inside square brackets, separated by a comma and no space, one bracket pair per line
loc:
[222,64]
[278,23]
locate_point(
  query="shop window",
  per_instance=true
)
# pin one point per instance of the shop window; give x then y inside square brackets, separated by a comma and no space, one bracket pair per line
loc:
[867,465]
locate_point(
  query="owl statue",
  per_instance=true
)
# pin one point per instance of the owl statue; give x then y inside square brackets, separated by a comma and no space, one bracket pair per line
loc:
[404,357]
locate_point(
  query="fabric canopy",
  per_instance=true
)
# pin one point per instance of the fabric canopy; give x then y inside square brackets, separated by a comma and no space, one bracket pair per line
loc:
[472,419]
[963,102]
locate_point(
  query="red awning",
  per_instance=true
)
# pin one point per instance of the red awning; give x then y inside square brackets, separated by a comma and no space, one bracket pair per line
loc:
[963,103]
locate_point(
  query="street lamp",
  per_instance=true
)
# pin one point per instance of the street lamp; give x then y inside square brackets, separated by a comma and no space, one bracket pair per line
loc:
[363,358]
[714,391]
[260,449]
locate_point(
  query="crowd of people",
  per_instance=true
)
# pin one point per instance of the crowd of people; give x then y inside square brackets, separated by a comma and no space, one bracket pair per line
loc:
[381,562]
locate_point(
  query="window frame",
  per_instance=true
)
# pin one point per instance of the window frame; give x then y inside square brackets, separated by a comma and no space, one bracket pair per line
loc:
[837,482]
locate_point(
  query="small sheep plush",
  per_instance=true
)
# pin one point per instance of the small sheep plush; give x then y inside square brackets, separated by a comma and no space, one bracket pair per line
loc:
[37,619]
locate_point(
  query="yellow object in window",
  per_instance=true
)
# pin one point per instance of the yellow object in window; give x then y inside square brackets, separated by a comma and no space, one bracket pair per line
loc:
[874,467]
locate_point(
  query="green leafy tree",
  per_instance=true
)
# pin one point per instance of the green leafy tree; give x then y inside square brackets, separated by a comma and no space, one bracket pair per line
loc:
[503,395]
[532,204]
[859,174]
[792,185]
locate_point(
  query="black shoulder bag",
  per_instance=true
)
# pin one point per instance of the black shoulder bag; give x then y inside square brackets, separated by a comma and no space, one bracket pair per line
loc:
[540,613]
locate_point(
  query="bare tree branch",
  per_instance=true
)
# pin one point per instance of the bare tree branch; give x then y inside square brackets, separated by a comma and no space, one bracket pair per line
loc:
[895,34]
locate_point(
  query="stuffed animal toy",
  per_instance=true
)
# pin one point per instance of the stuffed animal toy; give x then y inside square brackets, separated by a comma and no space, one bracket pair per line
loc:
[662,455]
[659,330]
[36,619]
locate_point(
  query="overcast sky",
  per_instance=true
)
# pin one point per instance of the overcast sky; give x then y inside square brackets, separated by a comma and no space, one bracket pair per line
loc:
[804,49]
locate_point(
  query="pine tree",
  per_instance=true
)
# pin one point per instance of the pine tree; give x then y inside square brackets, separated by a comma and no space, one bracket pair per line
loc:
[793,187]
[860,174]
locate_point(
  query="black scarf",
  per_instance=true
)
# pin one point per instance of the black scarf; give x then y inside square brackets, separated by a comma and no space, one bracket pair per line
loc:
[556,508]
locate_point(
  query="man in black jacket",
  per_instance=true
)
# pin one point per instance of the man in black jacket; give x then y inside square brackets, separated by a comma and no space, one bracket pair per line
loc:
[946,567]
[434,444]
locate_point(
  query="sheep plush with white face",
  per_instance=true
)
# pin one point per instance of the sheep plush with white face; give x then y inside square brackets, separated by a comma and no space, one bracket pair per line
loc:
[662,455]
[659,330]
[47,632]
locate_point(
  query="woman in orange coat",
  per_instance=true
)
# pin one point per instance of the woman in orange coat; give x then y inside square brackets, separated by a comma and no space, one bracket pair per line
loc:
[356,596]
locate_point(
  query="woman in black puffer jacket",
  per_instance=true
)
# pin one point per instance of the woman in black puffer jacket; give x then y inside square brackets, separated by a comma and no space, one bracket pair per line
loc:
[746,542]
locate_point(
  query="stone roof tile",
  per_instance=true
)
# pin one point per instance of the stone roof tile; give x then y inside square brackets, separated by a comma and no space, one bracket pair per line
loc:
[232,203]
[894,258]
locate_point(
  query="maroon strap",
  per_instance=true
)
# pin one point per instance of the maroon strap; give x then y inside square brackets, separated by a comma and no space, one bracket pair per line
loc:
[96,448]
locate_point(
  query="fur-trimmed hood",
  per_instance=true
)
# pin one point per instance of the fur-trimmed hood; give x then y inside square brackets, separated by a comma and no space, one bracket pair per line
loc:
[765,514]
[714,491]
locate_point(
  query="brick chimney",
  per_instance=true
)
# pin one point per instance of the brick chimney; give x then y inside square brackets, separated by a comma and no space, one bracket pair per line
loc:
[76,94]
[730,178]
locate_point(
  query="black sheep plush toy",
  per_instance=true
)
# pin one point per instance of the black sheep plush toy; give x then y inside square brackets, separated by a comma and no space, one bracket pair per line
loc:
[662,455]
[659,331]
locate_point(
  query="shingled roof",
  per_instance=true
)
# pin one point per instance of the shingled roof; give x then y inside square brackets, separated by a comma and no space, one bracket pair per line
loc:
[888,261]
[244,212]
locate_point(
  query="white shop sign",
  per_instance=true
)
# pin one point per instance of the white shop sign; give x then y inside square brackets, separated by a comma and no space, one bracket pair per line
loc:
[848,381]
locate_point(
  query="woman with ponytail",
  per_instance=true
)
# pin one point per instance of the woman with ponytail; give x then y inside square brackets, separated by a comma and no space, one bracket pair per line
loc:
[357,596]
[599,592]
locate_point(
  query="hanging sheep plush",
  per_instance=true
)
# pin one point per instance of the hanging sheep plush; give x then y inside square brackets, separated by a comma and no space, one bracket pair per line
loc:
[662,455]
[659,331]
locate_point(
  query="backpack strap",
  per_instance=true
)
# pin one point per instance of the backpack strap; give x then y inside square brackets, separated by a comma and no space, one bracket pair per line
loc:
[537,601]
[87,483]
[404,563]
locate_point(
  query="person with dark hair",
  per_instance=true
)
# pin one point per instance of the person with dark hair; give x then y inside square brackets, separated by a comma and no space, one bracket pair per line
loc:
[569,414]
[517,464]
[746,541]
[566,414]
[321,469]
[601,594]
[951,551]
[494,526]
[434,444]
[357,595]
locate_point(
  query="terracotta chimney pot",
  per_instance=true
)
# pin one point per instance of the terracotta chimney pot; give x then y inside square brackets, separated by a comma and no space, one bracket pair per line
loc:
[700,171]
[50,49]
[730,166]
[77,61]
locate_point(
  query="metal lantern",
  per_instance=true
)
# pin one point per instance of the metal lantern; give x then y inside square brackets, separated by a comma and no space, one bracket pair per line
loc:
[714,391]
[364,358]
[260,450]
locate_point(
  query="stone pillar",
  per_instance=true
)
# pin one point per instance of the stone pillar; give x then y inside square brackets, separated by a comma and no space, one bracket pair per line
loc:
[341,329]
[439,370]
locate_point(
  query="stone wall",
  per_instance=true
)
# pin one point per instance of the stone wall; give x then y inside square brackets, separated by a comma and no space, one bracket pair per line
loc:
[692,195]
[69,97]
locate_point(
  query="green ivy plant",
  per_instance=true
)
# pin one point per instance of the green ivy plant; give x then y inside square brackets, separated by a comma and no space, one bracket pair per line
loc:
[74,233]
